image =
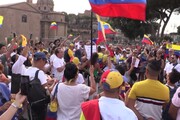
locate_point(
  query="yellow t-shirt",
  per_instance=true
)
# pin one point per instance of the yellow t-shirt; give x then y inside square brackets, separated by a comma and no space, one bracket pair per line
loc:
[150,96]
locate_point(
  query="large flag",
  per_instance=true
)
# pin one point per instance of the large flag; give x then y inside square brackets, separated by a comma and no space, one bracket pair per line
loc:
[133,9]
[53,26]
[24,40]
[147,40]
[1,21]
[176,49]
[107,28]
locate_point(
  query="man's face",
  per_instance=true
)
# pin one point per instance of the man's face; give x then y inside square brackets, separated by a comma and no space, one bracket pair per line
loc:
[173,58]
[3,50]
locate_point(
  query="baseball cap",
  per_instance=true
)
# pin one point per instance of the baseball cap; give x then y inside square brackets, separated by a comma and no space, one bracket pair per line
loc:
[40,55]
[111,79]
[71,45]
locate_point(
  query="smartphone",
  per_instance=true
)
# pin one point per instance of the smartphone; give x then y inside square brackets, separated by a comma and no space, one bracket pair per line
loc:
[14,35]
[15,83]
[30,36]
[24,85]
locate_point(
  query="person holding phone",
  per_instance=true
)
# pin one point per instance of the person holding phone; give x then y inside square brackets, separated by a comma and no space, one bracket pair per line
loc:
[11,111]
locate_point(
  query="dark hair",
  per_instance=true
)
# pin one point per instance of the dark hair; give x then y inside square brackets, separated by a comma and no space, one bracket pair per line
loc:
[154,67]
[56,51]
[19,50]
[174,76]
[13,59]
[147,51]
[94,58]
[99,49]
[2,45]
[121,68]
[70,71]
[57,40]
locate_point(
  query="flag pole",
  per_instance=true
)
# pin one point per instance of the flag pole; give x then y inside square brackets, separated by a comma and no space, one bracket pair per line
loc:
[91,32]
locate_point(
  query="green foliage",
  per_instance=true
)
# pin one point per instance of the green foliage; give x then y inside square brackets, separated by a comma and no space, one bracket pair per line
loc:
[132,28]
[168,38]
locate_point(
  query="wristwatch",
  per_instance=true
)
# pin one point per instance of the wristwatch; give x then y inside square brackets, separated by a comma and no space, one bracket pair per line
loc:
[14,104]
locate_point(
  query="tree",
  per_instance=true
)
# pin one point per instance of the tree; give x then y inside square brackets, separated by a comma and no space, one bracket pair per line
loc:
[163,9]
[132,28]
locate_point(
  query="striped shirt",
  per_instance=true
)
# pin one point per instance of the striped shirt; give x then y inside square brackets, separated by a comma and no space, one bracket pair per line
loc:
[150,97]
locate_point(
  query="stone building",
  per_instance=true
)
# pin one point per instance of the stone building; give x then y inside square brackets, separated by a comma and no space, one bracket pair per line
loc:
[27,18]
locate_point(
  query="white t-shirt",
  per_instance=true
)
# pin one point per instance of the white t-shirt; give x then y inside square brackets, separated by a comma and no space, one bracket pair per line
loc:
[52,57]
[77,45]
[70,99]
[57,63]
[117,58]
[80,79]
[19,67]
[41,75]
[169,66]
[115,109]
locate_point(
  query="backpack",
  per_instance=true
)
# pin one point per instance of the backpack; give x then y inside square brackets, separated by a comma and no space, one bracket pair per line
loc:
[37,96]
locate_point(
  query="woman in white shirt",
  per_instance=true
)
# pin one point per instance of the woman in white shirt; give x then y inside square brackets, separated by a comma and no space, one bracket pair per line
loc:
[70,95]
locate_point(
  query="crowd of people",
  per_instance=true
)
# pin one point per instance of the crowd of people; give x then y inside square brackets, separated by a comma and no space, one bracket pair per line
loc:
[116,83]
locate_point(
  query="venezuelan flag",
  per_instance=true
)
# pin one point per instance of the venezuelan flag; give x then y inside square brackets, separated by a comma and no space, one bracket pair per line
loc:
[1,21]
[101,30]
[107,28]
[133,9]
[176,49]
[147,40]
[53,26]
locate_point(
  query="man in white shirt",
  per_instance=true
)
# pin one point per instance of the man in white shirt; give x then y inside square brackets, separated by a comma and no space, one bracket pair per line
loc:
[173,64]
[59,64]
[52,57]
[39,61]
[108,107]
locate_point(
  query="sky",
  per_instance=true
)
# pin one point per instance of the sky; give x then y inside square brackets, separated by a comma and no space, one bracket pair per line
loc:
[79,6]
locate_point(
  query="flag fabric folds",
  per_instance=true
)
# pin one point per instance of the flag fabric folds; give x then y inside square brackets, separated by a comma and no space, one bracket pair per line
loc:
[24,40]
[1,21]
[97,41]
[133,9]
[53,26]
[101,30]
[147,40]
[107,28]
